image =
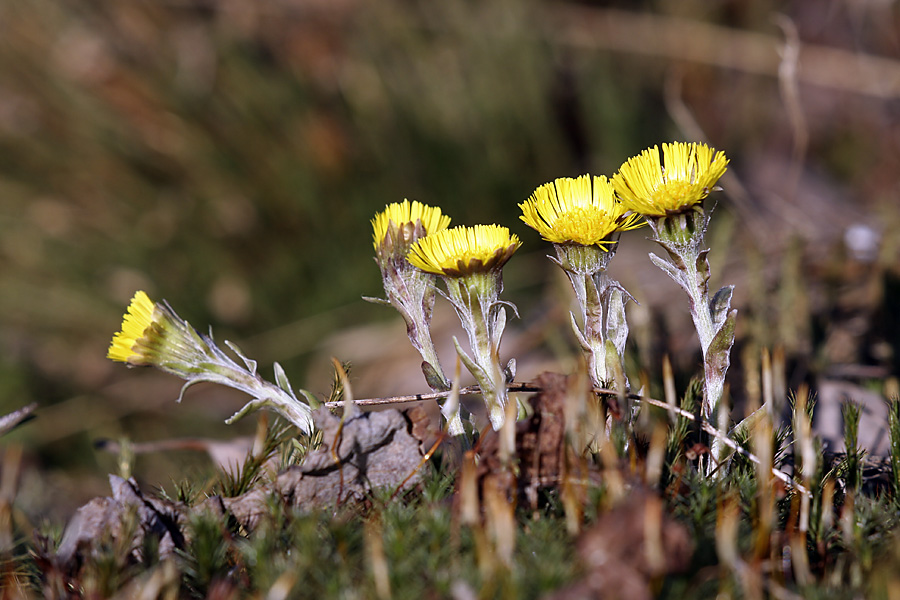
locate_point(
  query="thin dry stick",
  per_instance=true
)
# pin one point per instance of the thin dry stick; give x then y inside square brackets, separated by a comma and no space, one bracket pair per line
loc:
[466,391]
[708,428]
[530,387]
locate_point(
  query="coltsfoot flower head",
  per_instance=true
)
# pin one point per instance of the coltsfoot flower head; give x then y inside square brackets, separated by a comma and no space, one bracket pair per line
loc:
[583,210]
[670,194]
[583,219]
[464,250]
[682,180]
[400,224]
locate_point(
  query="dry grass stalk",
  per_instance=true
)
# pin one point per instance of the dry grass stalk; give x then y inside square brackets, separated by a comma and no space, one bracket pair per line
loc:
[376,558]
[507,447]
[9,483]
[573,494]
[656,455]
[283,586]
[469,506]
[768,394]
[655,553]
[669,387]
[500,518]
[763,446]
[728,516]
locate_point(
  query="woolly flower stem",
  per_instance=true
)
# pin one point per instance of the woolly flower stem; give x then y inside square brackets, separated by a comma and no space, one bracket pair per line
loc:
[681,235]
[408,289]
[470,261]
[601,301]
[475,298]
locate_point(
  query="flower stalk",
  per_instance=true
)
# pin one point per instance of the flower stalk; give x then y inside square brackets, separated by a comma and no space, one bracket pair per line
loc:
[714,319]
[601,301]
[477,303]
[154,335]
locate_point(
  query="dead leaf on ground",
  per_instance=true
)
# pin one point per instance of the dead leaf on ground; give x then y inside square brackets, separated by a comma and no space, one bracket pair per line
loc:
[110,516]
[628,546]
[542,453]
[373,450]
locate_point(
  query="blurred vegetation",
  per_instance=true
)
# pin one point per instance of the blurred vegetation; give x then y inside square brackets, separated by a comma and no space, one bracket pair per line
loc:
[227,156]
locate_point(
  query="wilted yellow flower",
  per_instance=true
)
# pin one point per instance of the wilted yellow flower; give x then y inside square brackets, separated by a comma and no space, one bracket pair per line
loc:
[583,211]
[394,218]
[136,321]
[464,250]
[687,174]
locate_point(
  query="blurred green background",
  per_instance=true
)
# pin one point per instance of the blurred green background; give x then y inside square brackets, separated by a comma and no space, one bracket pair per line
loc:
[227,156]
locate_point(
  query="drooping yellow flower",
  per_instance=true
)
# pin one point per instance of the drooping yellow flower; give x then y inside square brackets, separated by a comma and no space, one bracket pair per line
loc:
[136,321]
[687,174]
[395,216]
[583,210]
[464,250]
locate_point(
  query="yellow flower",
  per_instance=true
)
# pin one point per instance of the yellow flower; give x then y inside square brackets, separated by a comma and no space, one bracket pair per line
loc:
[685,177]
[138,318]
[399,214]
[583,211]
[153,335]
[464,250]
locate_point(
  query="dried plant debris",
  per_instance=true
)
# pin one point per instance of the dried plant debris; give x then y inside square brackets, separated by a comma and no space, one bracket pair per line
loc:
[541,449]
[357,456]
[12,420]
[627,547]
[368,451]
[128,513]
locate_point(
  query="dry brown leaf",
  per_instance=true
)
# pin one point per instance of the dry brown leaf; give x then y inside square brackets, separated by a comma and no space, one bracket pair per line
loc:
[375,450]
[109,516]
[627,547]
[541,449]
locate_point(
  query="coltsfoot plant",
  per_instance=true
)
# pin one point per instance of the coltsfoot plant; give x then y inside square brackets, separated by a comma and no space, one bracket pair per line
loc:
[408,289]
[415,250]
[743,526]
[470,261]
[153,335]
